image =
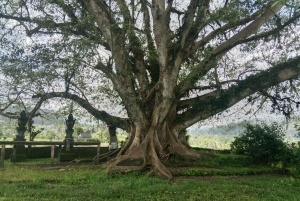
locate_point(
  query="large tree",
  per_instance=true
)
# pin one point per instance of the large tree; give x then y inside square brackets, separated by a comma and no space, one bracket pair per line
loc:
[170,64]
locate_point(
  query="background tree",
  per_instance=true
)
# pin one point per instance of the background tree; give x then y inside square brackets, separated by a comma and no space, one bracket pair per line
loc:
[170,64]
[78,130]
[14,96]
[32,130]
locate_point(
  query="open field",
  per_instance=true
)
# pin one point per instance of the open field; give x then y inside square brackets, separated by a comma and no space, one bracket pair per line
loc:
[36,180]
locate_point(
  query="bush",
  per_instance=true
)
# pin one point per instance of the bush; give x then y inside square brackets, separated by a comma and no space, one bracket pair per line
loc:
[263,144]
[296,161]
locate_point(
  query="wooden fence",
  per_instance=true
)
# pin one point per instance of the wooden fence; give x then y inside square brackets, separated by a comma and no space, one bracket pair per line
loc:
[60,143]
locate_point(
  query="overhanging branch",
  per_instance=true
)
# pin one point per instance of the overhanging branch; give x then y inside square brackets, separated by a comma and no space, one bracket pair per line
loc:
[240,38]
[209,105]
[122,123]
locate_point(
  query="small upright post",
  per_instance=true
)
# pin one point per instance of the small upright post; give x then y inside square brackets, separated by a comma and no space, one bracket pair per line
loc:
[14,153]
[113,140]
[2,155]
[52,155]
[59,153]
[98,153]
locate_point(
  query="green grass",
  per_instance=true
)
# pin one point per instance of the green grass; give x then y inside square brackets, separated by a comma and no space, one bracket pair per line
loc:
[25,181]
[221,165]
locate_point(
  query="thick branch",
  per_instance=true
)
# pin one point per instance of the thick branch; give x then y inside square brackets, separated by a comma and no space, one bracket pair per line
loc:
[241,37]
[122,123]
[201,43]
[153,66]
[103,19]
[116,38]
[188,21]
[37,106]
[191,32]
[161,31]
[251,28]
[107,69]
[206,106]
[135,47]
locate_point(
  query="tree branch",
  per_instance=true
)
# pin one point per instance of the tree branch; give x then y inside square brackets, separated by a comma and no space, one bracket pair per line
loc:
[153,66]
[104,20]
[19,19]
[161,30]
[69,10]
[191,28]
[251,28]
[122,123]
[213,103]
[241,37]
[135,45]
[222,29]
[50,25]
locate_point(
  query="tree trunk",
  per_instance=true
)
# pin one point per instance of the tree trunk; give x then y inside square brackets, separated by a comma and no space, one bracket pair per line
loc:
[149,154]
[183,138]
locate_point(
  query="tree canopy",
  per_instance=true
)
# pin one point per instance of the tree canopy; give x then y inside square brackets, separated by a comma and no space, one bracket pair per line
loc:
[169,64]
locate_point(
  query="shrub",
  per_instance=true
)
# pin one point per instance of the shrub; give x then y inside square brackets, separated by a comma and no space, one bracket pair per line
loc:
[296,162]
[263,144]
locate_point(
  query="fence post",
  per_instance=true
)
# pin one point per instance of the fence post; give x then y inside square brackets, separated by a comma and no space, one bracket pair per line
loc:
[2,155]
[52,155]
[98,153]
[59,152]
[14,153]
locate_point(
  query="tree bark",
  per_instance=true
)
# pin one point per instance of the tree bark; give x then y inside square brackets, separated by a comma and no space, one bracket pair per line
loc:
[151,152]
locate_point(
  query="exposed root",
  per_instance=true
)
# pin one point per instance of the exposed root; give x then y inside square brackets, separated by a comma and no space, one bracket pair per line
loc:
[179,149]
[160,149]
[182,139]
[158,168]
[119,168]
[136,156]
[183,152]
[133,161]
[104,157]
[184,142]
[128,143]
[136,160]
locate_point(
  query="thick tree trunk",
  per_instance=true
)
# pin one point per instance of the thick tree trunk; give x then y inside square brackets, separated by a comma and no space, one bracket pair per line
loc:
[183,138]
[148,154]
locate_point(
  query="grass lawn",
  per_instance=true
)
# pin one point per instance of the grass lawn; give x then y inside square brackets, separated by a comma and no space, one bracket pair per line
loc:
[32,180]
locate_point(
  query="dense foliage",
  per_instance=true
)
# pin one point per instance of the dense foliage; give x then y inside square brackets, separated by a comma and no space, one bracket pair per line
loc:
[263,143]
